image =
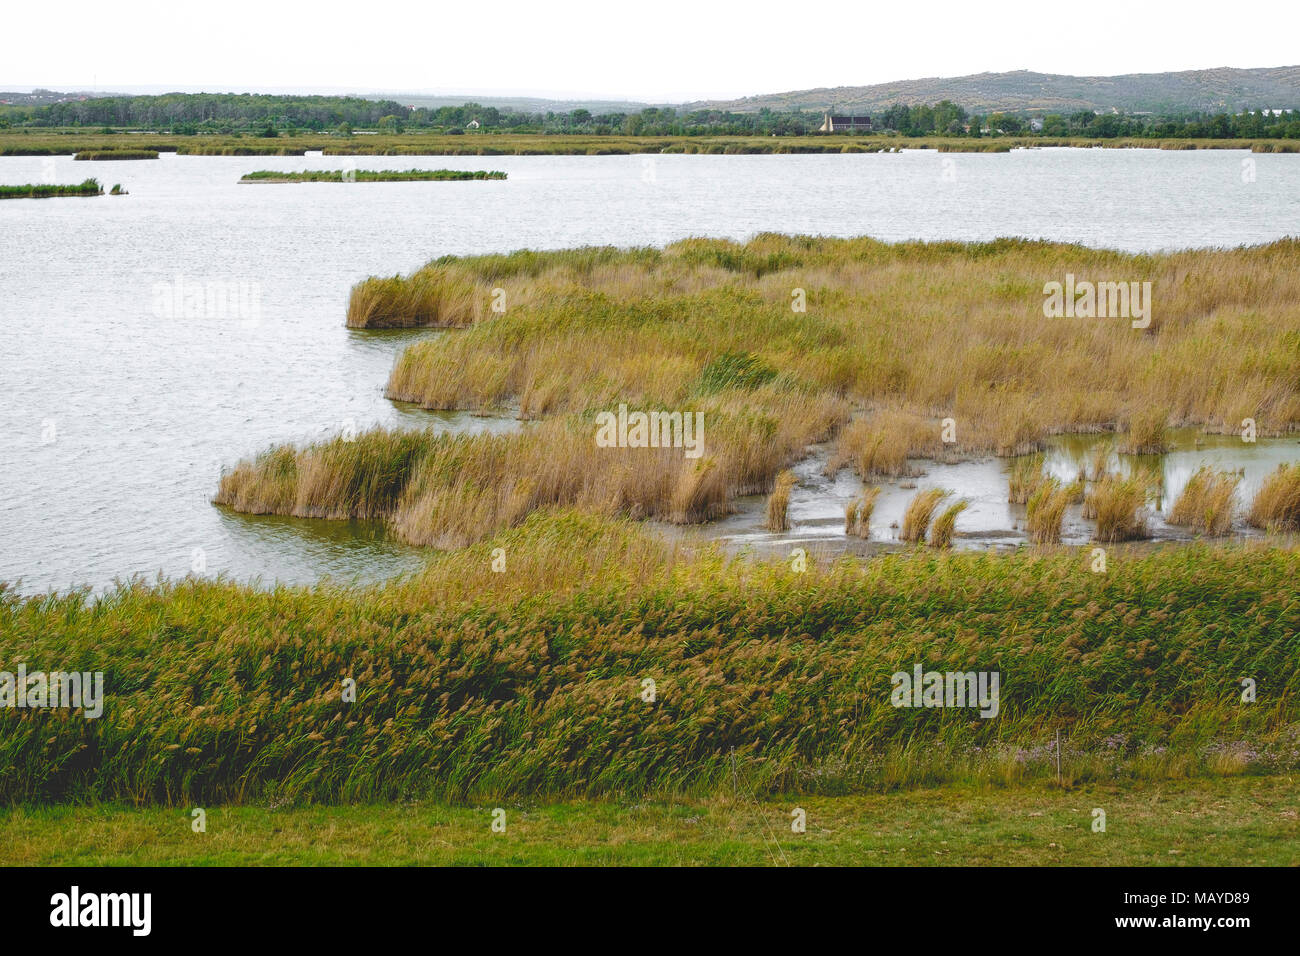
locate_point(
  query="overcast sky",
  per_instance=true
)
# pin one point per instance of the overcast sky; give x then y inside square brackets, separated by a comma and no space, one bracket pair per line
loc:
[661,51]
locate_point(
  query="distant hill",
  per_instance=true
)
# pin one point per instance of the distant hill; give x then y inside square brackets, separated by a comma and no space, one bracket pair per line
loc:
[1221,89]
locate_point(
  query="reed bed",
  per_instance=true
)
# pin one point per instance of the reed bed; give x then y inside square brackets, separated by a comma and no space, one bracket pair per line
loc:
[916,518]
[778,503]
[1277,503]
[1026,478]
[709,324]
[449,491]
[858,512]
[116,154]
[87,187]
[1147,434]
[368,175]
[945,526]
[652,320]
[1118,505]
[1045,511]
[473,685]
[1206,503]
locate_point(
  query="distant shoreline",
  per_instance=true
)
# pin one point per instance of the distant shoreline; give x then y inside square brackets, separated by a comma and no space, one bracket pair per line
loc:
[51,143]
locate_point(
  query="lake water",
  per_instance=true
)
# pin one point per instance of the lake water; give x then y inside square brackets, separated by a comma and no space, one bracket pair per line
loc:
[117,414]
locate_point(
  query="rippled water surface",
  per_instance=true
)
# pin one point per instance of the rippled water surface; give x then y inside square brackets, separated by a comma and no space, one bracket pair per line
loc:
[117,416]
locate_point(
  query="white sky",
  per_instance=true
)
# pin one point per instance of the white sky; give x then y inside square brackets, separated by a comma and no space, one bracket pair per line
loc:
[660,51]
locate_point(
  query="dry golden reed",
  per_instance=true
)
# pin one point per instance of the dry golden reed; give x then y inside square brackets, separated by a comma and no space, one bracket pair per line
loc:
[1045,511]
[874,363]
[1119,507]
[916,519]
[1277,503]
[778,503]
[1206,503]
[857,513]
[945,526]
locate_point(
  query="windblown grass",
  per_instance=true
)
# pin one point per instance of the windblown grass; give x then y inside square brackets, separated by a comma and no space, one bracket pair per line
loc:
[1206,503]
[368,175]
[452,490]
[1045,511]
[88,187]
[778,503]
[857,513]
[475,685]
[916,519]
[430,298]
[1119,506]
[1277,503]
[945,526]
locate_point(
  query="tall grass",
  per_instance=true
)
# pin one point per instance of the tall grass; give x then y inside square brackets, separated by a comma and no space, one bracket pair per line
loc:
[1045,511]
[1277,503]
[1206,503]
[778,503]
[1026,478]
[919,511]
[1148,432]
[708,324]
[1119,506]
[473,685]
[580,327]
[452,490]
[945,526]
[431,298]
[858,512]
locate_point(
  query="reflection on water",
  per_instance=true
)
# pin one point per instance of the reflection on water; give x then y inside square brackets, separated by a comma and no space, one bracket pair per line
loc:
[817,503]
[344,552]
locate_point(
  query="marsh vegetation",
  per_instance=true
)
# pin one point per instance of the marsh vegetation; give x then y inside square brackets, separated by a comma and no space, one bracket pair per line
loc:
[87,187]
[874,363]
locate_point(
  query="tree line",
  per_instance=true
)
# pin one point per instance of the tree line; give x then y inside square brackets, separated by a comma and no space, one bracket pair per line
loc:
[268,115]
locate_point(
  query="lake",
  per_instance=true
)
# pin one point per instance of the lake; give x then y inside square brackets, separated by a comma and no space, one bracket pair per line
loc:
[120,410]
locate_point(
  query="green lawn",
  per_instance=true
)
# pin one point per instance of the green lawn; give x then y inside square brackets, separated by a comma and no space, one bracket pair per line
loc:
[1221,821]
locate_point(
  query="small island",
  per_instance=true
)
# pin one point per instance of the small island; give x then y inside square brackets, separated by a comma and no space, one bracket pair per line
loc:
[89,187]
[368,175]
[111,154]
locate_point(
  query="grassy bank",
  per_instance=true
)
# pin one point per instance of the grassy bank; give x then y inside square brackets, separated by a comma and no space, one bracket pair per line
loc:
[368,175]
[88,187]
[473,685]
[1239,821]
[66,141]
